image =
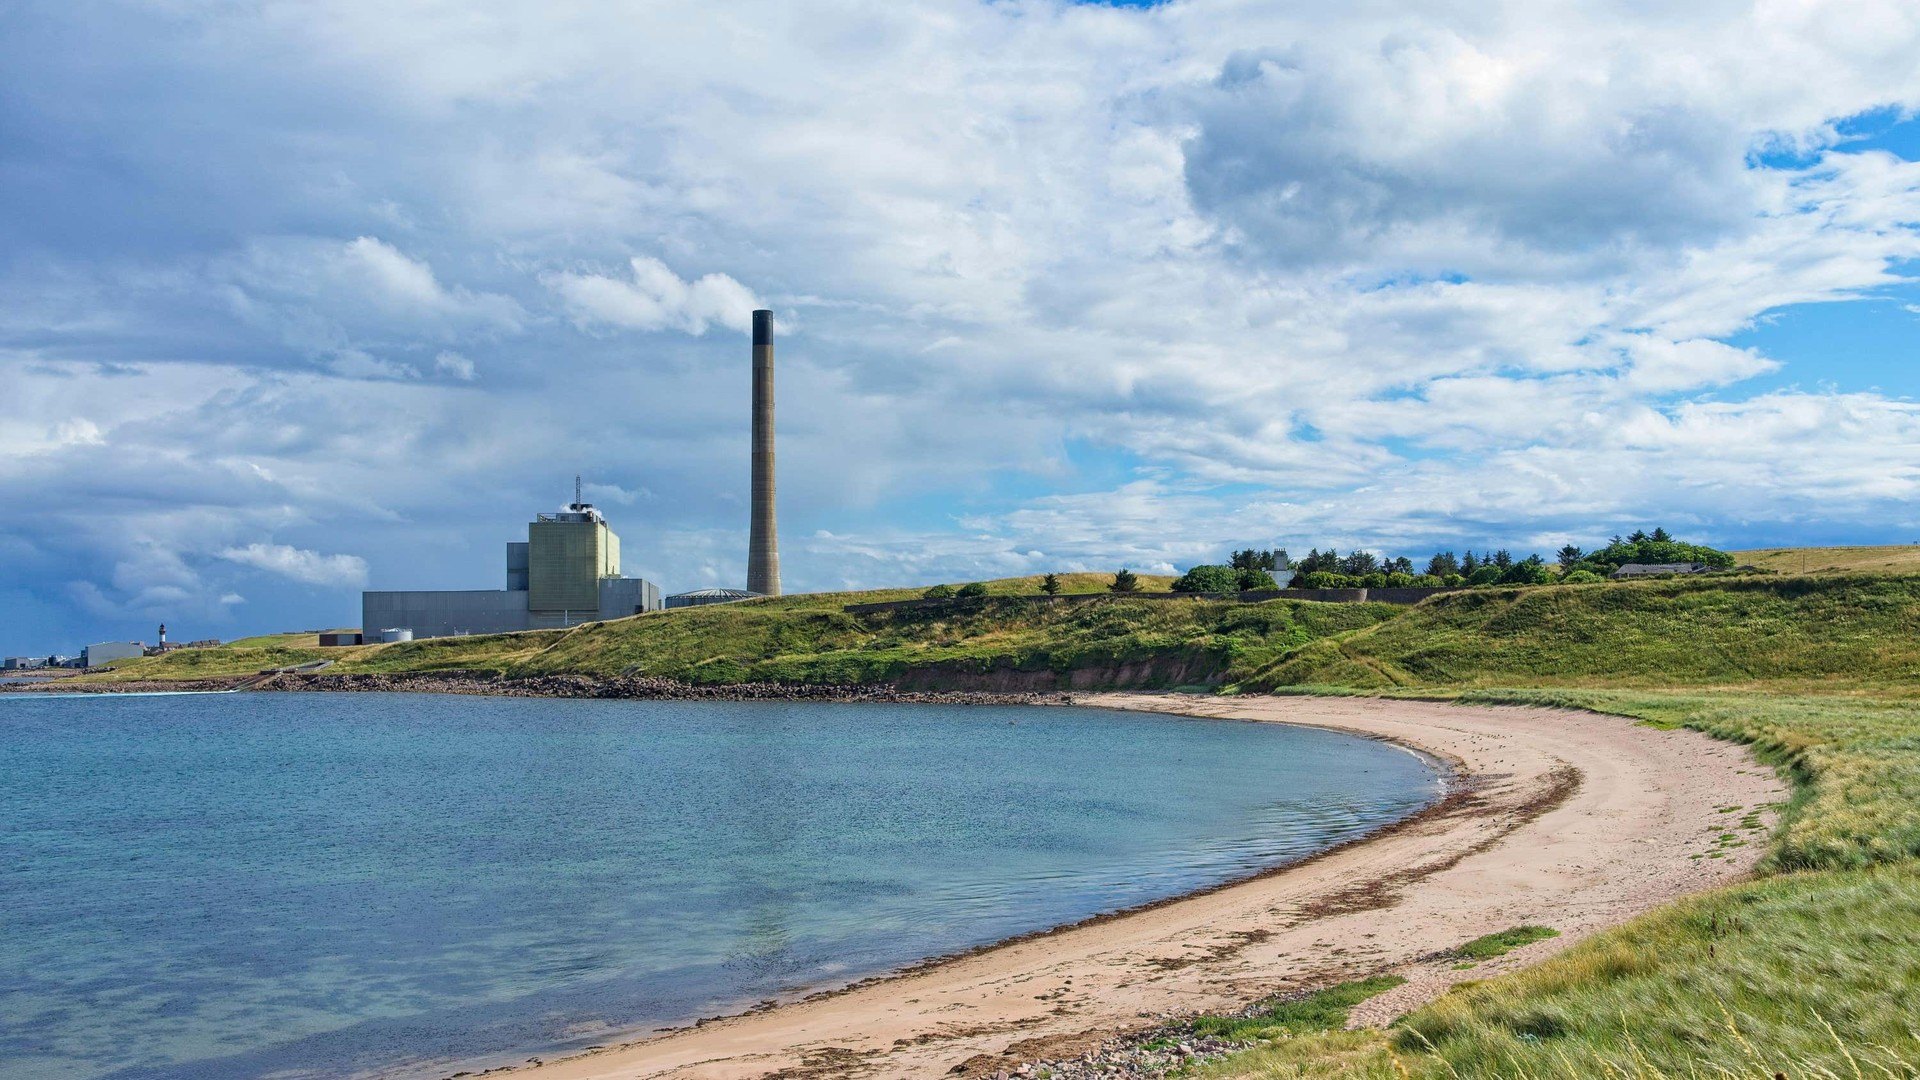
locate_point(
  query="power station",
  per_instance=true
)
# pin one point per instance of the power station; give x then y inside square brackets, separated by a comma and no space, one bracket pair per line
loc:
[567,571]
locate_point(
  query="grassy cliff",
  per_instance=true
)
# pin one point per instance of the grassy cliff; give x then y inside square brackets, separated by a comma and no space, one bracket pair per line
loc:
[1786,633]
[1791,634]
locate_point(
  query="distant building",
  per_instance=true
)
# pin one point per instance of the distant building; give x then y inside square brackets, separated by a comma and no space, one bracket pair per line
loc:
[698,597]
[336,638]
[566,573]
[108,651]
[23,663]
[1665,569]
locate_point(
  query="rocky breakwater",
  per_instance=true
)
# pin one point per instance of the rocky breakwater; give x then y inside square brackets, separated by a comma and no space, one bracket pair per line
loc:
[643,687]
[125,686]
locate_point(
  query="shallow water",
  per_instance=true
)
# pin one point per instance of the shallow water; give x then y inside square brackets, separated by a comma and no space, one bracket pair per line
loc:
[321,884]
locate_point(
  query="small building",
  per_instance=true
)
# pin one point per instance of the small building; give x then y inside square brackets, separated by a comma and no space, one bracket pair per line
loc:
[23,663]
[335,638]
[700,597]
[394,634]
[1665,569]
[107,652]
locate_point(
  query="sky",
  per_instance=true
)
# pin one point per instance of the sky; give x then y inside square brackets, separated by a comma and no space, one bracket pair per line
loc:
[301,299]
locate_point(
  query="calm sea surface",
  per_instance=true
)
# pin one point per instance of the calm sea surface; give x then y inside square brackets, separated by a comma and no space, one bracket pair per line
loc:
[316,884]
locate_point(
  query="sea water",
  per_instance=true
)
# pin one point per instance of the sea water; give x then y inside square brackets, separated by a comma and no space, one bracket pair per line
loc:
[330,884]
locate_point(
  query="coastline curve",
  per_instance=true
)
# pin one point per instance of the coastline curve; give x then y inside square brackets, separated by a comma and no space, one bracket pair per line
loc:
[1570,819]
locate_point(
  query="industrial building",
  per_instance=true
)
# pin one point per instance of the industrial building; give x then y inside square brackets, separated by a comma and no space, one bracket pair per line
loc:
[567,572]
[107,652]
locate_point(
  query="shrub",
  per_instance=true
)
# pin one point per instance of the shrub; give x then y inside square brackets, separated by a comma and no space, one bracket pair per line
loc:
[1485,575]
[938,592]
[1255,579]
[975,591]
[1210,579]
[1125,581]
[1581,577]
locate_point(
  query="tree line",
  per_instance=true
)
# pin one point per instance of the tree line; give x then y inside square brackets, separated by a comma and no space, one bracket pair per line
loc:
[1253,569]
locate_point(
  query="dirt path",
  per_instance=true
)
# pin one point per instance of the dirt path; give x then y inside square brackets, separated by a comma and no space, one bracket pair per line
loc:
[1570,820]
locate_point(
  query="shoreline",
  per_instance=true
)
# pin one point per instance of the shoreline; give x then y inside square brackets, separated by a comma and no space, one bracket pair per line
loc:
[1392,901]
[487,684]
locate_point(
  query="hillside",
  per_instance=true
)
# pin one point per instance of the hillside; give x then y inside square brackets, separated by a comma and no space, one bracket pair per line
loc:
[1891,559]
[1804,634]
[1800,634]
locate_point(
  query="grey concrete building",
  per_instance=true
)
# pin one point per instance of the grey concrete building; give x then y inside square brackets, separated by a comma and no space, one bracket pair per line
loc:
[107,652]
[567,572]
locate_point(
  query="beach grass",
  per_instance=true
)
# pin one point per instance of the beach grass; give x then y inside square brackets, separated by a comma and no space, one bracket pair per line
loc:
[1806,635]
[1319,1010]
[1502,942]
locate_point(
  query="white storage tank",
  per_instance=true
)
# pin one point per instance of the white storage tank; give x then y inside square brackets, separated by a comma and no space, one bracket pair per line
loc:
[396,633]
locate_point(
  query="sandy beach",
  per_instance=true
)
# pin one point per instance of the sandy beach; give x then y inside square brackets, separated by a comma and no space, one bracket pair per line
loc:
[1566,819]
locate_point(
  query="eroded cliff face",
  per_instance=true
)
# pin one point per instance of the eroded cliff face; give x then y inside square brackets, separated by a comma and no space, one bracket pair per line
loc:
[1152,673]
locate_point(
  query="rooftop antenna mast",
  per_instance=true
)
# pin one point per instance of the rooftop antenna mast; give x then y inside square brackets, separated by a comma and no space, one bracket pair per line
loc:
[576,489]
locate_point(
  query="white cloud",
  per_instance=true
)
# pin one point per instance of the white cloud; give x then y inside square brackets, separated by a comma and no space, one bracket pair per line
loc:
[1058,284]
[656,299]
[453,365]
[300,564]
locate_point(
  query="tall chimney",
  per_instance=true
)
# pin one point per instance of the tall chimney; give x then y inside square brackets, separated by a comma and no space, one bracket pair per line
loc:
[763,544]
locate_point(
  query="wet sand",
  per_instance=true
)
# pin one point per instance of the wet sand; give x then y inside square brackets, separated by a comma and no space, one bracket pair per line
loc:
[1566,819]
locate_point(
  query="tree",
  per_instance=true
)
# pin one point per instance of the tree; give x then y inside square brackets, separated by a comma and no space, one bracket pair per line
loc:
[974,591]
[1255,580]
[938,592]
[1503,559]
[1399,565]
[1255,559]
[1124,582]
[1469,564]
[1443,565]
[1567,556]
[1209,579]
[1050,585]
[1531,570]
[1660,536]
[1359,564]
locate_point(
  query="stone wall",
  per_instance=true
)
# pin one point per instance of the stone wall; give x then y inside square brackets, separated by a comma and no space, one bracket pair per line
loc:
[1321,596]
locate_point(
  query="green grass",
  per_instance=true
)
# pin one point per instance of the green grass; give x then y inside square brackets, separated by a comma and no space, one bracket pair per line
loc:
[1793,634]
[1320,1010]
[1502,942]
[811,639]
